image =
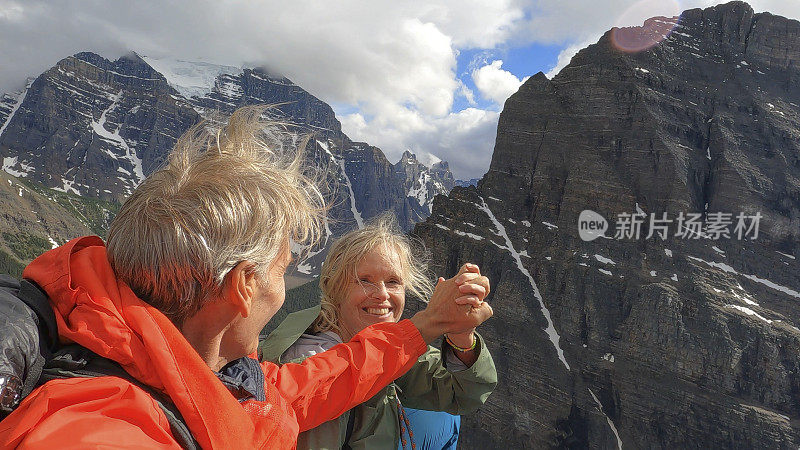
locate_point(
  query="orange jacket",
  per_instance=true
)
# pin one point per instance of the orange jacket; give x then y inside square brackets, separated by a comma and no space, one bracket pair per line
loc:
[99,312]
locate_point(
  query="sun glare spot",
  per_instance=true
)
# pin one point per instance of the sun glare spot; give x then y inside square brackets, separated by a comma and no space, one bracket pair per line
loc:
[654,30]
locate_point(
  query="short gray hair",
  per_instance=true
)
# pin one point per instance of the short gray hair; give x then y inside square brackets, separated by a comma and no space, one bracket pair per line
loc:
[225,196]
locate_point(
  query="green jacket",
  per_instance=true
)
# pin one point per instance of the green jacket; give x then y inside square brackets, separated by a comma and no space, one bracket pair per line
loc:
[427,385]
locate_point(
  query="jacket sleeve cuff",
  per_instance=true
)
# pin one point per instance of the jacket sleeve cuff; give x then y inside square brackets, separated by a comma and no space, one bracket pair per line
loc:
[477,368]
[408,328]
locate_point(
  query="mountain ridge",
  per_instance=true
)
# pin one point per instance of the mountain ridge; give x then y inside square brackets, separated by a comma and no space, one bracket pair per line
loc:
[637,342]
[95,128]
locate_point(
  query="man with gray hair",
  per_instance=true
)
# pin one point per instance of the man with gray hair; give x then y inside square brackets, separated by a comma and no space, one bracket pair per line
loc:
[192,272]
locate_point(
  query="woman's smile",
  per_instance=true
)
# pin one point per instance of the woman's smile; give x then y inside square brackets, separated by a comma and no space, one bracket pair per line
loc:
[376,294]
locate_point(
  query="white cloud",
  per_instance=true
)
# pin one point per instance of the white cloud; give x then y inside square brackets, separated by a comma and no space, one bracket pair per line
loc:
[494,83]
[354,124]
[565,56]
[464,139]
[350,52]
[784,8]
[429,159]
[466,92]
[11,11]
[393,62]
[475,23]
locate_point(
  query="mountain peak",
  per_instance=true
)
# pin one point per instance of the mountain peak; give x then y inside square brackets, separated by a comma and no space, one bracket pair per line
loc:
[408,157]
[736,8]
[133,64]
[93,59]
[130,64]
[268,73]
[689,125]
[440,166]
[131,56]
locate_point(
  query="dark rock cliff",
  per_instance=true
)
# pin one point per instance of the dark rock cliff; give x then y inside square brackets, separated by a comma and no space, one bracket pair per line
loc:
[682,342]
[95,128]
[423,183]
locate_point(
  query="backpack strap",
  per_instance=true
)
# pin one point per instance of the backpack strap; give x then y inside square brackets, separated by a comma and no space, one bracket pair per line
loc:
[30,355]
[35,298]
[76,361]
[351,421]
[28,333]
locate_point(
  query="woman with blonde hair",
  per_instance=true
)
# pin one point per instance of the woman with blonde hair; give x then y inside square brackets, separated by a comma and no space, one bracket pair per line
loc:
[172,308]
[364,281]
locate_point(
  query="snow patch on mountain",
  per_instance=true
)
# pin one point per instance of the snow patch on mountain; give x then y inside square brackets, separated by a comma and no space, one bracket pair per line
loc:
[340,163]
[424,182]
[114,138]
[551,329]
[353,208]
[749,312]
[10,162]
[608,419]
[604,260]
[15,100]
[67,186]
[726,268]
[419,191]
[191,79]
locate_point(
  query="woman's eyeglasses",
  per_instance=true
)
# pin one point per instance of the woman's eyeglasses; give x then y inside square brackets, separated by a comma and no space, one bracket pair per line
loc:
[392,286]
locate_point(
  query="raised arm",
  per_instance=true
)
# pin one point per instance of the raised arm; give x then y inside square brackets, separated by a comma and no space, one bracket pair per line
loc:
[327,384]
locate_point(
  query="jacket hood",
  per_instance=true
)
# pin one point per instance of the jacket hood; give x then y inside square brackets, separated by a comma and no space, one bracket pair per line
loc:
[101,313]
[286,334]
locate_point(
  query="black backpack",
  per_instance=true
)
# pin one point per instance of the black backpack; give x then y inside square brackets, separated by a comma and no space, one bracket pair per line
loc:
[30,355]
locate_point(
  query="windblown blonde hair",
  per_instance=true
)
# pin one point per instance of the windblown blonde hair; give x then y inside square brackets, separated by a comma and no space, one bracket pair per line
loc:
[339,269]
[225,196]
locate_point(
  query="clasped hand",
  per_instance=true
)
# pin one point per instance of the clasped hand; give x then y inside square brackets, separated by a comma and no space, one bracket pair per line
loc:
[456,307]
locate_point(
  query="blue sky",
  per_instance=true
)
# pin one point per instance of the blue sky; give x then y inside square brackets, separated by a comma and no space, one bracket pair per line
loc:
[427,76]
[521,61]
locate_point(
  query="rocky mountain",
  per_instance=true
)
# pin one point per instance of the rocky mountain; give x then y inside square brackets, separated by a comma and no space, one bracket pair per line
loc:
[34,219]
[9,104]
[465,183]
[95,128]
[423,183]
[685,333]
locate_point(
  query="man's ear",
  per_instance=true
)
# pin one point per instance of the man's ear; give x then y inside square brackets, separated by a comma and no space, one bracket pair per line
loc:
[239,287]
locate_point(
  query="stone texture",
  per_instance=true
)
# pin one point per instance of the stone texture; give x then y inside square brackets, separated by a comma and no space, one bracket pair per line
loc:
[423,183]
[95,128]
[680,343]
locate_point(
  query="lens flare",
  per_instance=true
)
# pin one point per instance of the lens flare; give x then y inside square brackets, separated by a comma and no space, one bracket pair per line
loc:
[655,29]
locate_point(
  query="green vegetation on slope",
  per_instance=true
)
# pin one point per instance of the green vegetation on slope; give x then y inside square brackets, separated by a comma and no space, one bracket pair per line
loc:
[10,265]
[95,214]
[26,246]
